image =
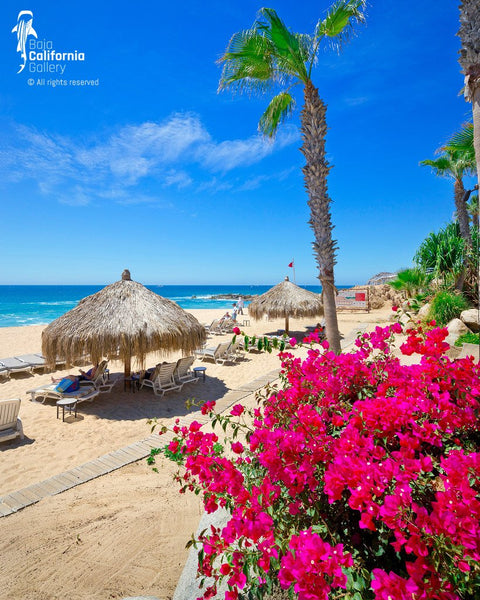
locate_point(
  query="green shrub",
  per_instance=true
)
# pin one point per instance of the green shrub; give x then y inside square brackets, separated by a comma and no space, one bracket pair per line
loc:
[411,281]
[446,306]
[468,338]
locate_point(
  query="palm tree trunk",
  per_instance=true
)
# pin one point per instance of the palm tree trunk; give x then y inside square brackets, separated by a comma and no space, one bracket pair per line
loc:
[462,212]
[476,126]
[314,129]
[469,59]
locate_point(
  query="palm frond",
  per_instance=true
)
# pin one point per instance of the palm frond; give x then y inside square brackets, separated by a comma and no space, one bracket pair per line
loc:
[451,164]
[441,166]
[277,111]
[462,143]
[339,23]
[247,62]
[285,44]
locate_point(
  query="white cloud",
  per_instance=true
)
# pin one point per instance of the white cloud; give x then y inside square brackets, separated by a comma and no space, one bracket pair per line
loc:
[76,171]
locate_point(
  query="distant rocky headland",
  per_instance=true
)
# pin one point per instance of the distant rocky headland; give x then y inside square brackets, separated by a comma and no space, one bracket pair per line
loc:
[233,296]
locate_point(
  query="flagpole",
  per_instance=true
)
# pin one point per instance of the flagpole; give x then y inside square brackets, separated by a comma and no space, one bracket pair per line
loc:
[293,263]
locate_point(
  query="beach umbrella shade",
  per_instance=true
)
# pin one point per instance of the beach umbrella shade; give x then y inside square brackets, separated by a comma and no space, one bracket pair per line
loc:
[286,300]
[124,320]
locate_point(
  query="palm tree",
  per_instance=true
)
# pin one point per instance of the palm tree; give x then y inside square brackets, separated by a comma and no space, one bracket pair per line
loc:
[469,34]
[456,164]
[411,281]
[462,143]
[269,55]
[442,255]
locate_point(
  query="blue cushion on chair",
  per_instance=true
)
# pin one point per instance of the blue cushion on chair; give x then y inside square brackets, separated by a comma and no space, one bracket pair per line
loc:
[67,385]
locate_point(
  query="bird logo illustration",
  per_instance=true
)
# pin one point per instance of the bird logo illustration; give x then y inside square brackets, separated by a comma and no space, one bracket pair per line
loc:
[23,28]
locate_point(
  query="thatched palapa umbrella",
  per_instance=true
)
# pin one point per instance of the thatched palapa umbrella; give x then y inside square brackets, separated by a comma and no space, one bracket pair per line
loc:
[125,320]
[286,300]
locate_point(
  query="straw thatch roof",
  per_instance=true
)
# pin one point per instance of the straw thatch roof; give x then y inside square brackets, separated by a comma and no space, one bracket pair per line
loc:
[286,300]
[124,320]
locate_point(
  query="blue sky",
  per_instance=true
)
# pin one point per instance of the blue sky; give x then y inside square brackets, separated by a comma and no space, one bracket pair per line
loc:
[154,171]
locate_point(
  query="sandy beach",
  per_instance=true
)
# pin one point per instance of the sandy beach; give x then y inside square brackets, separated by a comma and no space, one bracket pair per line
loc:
[123,533]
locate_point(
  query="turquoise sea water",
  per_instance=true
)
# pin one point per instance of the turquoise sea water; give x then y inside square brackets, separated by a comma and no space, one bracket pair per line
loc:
[40,304]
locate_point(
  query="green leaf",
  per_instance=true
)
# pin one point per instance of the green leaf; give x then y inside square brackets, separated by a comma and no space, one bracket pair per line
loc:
[280,107]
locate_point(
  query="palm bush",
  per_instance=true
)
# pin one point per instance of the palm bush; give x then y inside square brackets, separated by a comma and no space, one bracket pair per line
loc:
[443,255]
[446,306]
[411,281]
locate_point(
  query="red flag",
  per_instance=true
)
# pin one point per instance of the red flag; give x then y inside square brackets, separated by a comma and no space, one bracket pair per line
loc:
[291,264]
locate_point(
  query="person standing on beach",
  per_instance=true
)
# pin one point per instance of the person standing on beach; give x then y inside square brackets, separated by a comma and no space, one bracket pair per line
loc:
[240,305]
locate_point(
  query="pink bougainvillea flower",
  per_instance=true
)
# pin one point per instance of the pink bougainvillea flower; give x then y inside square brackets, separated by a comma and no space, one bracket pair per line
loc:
[208,407]
[236,330]
[392,448]
[292,341]
[237,447]
[237,410]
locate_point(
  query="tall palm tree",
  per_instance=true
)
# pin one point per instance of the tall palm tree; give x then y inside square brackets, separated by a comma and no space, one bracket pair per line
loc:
[269,55]
[469,34]
[462,143]
[456,164]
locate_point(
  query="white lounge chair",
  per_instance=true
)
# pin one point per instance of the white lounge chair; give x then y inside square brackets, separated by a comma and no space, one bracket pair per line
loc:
[10,425]
[228,325]
[36,361]
[100,382]
[14,365]
[234,351]
[162,379]
[213,327]
[218,354]
[183,373]
[48,392]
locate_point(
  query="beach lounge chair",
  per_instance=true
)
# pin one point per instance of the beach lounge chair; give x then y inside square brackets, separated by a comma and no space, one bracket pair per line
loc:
[162,379]
[218,354]
[100,382]
[183,373]
[10,424]
[36,361]
[213,327]
[4,372]
[234,351]
[14,365]
[48,392]
[228,325]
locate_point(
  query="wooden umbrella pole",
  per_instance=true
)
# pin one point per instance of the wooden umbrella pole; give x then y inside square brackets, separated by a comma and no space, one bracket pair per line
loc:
[127,363]
[286,324]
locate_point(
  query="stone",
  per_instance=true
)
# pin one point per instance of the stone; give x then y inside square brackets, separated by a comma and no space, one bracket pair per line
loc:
[471,318]
[424,310]
[406,320]
[457,328]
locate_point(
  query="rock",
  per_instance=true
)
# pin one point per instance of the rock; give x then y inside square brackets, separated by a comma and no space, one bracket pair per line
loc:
[456,328]
[471,318]
[381,278]
[406,320]
[381,294]
[424,310]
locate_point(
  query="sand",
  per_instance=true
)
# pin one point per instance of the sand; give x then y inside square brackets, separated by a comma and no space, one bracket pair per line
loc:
[124,533]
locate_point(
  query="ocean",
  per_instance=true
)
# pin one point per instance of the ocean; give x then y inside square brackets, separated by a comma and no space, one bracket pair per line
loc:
[40,304]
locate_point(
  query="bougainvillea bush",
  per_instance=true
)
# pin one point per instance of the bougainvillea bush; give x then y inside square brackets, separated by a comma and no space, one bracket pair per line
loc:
[359,479]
